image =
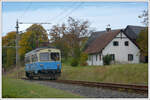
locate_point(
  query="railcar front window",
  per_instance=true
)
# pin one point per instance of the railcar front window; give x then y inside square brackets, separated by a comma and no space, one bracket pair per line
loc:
[55,56]
[44,56]
[34,58]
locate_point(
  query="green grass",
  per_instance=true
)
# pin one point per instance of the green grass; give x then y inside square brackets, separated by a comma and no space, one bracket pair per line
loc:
[13,73]
[123,73]
[13,88]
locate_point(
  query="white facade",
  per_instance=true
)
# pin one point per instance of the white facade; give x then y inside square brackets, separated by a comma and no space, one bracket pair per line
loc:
[121,52]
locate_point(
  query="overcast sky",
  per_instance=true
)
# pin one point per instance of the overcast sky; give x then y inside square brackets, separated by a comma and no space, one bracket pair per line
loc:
[99,14]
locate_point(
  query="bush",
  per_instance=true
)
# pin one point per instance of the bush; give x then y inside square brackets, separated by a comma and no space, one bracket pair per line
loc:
[74,62]
[83,59]
[107,59]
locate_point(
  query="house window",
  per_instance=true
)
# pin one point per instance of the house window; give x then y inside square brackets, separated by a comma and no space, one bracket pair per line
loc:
[99,56]
[126,43]
[112,57]
[115,43]
[89,57]
[130,57]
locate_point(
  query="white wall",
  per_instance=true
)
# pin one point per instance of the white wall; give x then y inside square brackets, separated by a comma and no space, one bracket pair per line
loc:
[93,60]
[121,51]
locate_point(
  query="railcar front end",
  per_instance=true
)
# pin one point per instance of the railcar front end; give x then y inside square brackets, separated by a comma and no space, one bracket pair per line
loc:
[43,63]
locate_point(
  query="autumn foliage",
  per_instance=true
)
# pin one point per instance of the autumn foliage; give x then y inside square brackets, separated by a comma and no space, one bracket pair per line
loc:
[142,41]
[69,37]
[34,37]
[8,50]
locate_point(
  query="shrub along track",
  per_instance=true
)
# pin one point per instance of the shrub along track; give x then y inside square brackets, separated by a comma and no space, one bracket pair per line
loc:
[115,86]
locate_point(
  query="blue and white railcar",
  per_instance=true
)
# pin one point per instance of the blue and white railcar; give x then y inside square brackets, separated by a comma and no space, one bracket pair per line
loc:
[43,62]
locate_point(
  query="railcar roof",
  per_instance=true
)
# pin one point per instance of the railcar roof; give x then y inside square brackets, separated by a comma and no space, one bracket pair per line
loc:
[37,49]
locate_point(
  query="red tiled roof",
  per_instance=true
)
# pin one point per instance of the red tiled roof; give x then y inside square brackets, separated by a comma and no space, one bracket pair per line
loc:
[100,42]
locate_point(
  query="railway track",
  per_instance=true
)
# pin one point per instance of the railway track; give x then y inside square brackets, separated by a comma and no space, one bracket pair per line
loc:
[115,86]
[129,87]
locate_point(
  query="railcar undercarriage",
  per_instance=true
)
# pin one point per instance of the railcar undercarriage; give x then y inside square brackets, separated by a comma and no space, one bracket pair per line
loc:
[48,74]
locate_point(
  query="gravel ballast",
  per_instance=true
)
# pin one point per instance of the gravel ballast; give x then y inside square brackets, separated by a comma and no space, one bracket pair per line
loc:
[91,92]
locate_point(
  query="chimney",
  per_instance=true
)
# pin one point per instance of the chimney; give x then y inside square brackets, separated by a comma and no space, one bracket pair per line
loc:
[108,28]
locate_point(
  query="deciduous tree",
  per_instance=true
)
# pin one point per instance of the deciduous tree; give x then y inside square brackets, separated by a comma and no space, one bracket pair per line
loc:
[142,41]
[8,49]
[71,35]
[34,37]
[144,17]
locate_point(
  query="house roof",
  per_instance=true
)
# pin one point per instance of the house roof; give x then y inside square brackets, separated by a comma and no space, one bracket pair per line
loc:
[93,36]
[133,31]
[101,41]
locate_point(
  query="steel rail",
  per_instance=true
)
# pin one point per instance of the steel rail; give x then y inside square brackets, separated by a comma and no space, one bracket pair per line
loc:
[134,87]
[108,85]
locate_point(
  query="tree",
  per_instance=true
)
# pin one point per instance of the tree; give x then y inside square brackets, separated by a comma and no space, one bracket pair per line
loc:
[34,37]
[9,39]
[144,16]
[39,35]
[142,41]
[83,59]
[71,35]
[55,33]
[4,56]
[58,41]
[8,49]
[26,44]
[11,57]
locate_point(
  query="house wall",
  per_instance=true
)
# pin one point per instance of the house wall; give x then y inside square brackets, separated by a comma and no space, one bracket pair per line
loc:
[121,51]
[93,61]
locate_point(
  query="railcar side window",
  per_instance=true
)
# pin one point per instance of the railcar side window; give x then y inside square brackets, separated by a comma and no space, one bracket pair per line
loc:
[44,56]
[54,56]
[36,58]
[27,59]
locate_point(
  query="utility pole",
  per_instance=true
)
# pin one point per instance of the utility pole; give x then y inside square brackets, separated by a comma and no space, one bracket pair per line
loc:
[17,55]
[17,45]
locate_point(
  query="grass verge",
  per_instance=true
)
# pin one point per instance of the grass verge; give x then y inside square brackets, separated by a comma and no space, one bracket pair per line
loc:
[13,88]
[123,73]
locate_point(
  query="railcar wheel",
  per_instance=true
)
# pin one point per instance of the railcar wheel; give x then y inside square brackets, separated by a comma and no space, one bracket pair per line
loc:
[27,74]
[55,77]
[30,77]
[52,77]
[39,78]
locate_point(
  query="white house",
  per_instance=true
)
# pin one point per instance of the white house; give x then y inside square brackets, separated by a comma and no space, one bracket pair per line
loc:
[116,43]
